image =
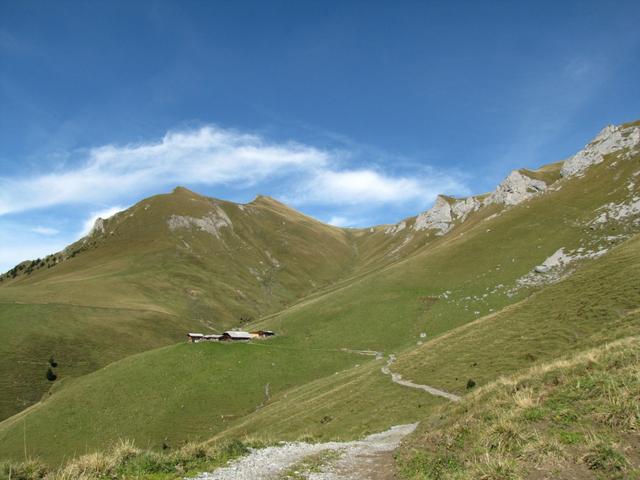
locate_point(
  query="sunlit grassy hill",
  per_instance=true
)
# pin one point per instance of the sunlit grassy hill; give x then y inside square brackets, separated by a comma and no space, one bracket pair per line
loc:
[548,264]
[170,264]
[577,313]
[143,278]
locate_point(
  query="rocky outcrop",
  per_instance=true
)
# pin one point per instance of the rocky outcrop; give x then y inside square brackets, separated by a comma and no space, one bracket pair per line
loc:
[463,207]
[393,229]
[617,211]
[211,223]
[610,139]
[444,213]
[557,260]
[98,227]
[516,188]
[437,217]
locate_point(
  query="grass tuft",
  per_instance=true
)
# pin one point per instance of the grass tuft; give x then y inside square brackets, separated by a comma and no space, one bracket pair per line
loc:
[125,460]
[492,467]
[605,458]
[27,470]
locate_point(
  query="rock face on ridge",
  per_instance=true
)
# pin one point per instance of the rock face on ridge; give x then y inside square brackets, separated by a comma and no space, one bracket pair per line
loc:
[444,213]
[610,139]
[515,189]
[463,207]
[211,223]
[98,227]
[437,217]
[393,229]
[521,185]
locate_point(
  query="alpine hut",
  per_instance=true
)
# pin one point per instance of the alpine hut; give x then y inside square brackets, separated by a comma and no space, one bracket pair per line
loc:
[195,337]
[262,333]
[233,335]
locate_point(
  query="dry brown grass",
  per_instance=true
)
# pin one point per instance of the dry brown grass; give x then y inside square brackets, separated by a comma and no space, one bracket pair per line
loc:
[98,464]
[575,417]
[125,460]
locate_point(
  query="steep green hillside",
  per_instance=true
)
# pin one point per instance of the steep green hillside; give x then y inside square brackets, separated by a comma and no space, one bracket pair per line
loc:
[80,339]
[598,303]
[478,268]
[143,278]
[472,289]
[572,315]
[572,418]
[187,254]
[163,397]
[450,283]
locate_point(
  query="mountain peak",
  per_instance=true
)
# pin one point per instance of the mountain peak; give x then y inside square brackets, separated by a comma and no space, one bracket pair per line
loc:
[270,201]
[180,190]
[263,198]
[610,139]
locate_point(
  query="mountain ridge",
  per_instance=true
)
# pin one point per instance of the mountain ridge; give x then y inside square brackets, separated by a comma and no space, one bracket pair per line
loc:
[382,294]
[520,185]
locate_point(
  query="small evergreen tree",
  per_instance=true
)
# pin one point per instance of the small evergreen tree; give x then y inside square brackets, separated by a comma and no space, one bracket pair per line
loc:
[51,376]
[52,362]
[471,383]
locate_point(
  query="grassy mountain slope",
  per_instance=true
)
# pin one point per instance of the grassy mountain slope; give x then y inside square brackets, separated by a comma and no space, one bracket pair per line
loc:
[577,417]
[136,283]
[164,396]
[376,289]
[513,339]
[81,339]
[598,303]
[468,273]
[169,264]
[188,254]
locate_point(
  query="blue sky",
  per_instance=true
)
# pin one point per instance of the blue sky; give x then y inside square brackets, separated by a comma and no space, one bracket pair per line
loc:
[357,113]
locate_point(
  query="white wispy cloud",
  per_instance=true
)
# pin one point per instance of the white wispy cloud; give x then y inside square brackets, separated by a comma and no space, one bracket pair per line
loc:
[20,242]
[11,255]
[215,156]
[322,181]
[208,155]
[338,221]
[367,187]
[47,231]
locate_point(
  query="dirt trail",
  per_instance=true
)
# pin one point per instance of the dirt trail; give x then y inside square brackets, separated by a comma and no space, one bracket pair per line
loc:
[397,378]
[369,458]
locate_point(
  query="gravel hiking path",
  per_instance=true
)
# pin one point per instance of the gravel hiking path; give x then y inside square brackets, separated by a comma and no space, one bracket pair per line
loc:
[397,378]
[370,458]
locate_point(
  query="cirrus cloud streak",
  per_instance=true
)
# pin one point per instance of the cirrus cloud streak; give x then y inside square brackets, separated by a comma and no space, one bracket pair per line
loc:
[211,155]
